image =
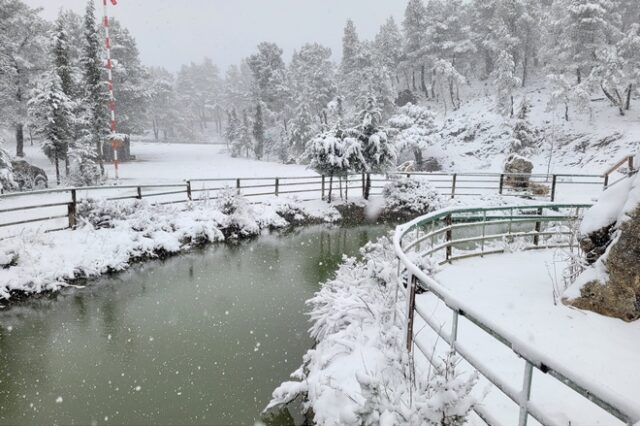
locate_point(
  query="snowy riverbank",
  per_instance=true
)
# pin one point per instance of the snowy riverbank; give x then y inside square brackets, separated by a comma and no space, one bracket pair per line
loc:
[112,235]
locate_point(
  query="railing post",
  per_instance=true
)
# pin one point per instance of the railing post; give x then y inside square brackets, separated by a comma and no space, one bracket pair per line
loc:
[501,187]
[630,165]
[525,394]
[189,196]
[363,185]
[454,330]
[322,188]
[277,187]
[554,182]
[139,193]
[606,181]
[72,210]
[536,237]
[453,185]
[413,282]
[238,185]
[449,236]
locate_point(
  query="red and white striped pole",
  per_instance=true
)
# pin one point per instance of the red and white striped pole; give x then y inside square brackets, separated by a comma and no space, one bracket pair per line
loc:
[112,99]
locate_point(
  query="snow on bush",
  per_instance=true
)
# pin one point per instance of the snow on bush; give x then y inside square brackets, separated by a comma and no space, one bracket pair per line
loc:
[110,235]
[359,372]
[411,196]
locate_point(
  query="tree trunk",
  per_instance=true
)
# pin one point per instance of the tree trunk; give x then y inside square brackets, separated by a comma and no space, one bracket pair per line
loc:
[340,185]
[330,187]
[627,104]
[20,140]
[525,69]
[511,110]
[417,154]
[367,187]
[156,131]
[566,112]
[99,154]
[413,79]
[579,76]
[57,166]
[31,135]
[423,83]
[614,97]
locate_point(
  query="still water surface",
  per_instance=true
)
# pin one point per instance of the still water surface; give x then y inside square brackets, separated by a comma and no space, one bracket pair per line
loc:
[201,338]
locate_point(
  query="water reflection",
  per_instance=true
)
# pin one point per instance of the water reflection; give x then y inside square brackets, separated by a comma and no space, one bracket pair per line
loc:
[197,339]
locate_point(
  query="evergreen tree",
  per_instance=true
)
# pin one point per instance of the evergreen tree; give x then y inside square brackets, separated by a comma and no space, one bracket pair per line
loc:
[415,32]
[313,78]
[52,112]
[96,95]
[258,133]
[506,82]
[414,127]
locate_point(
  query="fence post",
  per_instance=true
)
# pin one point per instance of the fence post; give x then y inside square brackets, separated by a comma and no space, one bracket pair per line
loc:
[189,190]
[413,282]
[277,187]
[449,236]
[322,189]
[554,181]
[453,185]
[630,165]
[71,210]
[363,184]
[139,192]
[525,394]
[536,237]
[606,181]
[346,187]
[238,185]
[501,188]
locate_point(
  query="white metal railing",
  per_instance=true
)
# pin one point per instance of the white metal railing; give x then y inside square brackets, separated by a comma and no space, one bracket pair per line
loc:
[437,235]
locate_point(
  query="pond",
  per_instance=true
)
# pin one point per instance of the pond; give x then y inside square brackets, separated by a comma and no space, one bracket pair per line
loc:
[202,338]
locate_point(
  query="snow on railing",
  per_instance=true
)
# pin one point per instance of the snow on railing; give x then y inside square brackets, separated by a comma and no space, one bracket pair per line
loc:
[550,226]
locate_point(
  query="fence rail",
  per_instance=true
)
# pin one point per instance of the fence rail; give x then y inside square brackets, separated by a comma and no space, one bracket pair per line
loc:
[455,234]
[49,208]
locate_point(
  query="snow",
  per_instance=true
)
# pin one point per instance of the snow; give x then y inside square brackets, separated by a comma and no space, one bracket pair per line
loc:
[613,205]
[112,235]
[511,291]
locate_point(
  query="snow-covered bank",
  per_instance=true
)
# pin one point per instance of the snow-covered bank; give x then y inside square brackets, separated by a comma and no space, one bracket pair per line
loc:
[111,235]
[359,372]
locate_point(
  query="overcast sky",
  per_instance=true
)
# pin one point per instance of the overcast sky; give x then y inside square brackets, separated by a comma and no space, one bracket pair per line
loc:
[173,32]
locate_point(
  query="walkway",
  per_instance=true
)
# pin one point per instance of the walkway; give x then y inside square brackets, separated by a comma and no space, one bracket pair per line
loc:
[515,290]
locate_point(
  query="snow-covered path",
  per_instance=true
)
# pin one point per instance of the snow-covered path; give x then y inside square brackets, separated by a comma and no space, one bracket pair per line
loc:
[515,291]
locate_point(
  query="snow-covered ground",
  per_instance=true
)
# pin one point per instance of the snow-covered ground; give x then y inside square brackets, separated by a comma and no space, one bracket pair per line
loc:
[159,163]
[514,291]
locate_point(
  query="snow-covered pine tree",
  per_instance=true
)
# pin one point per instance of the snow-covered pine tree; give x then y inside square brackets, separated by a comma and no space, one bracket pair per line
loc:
[244,138]
[388,47]
[303,128]
[376,153]
[52,112]
[163,111]
[446,80]
[313,78]
[415,28]
[130,80]
[232,133]
[269,73]
[506,82]
[258,133]
[524,137]
[414,127]
[23,43]
[96,95]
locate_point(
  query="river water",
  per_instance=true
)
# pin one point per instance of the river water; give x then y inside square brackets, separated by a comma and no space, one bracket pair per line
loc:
[202,338]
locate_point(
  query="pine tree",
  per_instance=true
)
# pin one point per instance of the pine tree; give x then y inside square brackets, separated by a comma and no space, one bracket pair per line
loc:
[414,127]
[350,45]
[64,71]
[415,27]
[505,82]
[258,133]
[96,96]
[52,112]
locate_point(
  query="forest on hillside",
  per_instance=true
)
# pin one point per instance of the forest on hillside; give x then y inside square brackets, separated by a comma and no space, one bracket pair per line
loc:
[339,117]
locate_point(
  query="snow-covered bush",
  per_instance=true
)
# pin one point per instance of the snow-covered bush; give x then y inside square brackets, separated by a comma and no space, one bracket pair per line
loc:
[360,373]
[408,195]
[84,167]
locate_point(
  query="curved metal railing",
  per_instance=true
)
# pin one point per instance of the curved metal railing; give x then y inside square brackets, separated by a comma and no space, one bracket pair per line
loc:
[458,233]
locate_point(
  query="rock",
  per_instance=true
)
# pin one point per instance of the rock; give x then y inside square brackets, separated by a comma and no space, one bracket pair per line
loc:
[595,244]
[619,297]
[516,164]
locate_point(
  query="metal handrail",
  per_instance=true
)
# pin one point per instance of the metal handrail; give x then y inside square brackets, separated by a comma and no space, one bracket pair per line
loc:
[442,222]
